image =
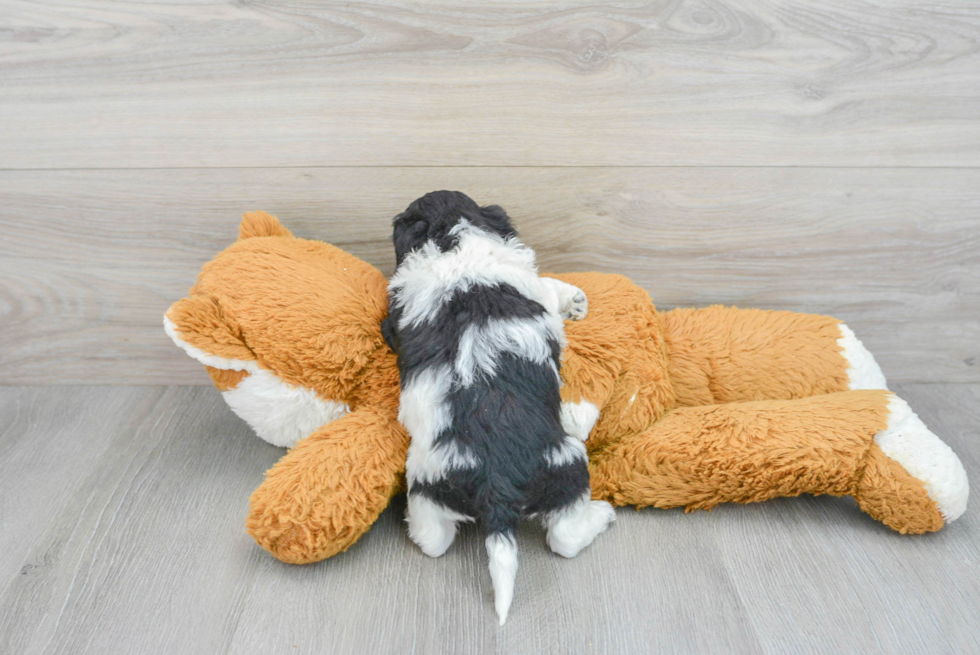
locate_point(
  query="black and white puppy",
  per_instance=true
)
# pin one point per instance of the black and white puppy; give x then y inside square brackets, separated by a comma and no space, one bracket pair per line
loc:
[478,336]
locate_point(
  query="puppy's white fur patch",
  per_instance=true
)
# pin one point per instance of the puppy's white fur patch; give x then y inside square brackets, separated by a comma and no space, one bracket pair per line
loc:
[863,371]
[571,448]
[428,277]
[280,413]
[481,345]
[425,413]
[502,550]
[573,528]
[579,418]
[431,464]
[926,457]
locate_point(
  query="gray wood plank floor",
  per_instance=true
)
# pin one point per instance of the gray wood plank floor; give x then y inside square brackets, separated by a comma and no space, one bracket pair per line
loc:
[122,507]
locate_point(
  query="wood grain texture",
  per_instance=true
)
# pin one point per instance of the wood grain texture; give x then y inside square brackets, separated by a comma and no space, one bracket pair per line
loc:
[142,549]
[148,553]
[90,260]
[50,441]
[671,82]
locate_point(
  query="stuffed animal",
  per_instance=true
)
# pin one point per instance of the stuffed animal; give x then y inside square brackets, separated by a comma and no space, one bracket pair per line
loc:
[685,408]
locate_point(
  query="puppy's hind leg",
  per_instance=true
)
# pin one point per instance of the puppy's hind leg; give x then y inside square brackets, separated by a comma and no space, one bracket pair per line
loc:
[431,525]
[572,528]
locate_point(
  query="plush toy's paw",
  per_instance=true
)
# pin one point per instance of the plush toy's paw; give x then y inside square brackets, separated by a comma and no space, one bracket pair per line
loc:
[577,307]
[926,458]
[911,481]
[326,492]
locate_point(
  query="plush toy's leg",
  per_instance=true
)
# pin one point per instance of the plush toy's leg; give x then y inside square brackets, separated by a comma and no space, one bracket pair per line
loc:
[724,354]
[325,493]
[908,444]
[866,444]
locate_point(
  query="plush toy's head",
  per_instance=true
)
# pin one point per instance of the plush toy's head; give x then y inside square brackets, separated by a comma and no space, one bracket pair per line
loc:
[289,330]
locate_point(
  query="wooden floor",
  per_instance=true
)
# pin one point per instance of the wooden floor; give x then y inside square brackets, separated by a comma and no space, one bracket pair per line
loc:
[122,532]
[819,157]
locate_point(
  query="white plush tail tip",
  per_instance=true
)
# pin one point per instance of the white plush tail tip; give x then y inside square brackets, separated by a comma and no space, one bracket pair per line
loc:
[863,371]
[502,550]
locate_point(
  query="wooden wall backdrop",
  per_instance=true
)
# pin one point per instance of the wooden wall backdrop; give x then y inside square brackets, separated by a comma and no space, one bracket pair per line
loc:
[818,157]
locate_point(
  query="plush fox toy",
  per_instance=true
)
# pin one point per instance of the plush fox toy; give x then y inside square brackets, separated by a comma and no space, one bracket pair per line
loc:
[686,408]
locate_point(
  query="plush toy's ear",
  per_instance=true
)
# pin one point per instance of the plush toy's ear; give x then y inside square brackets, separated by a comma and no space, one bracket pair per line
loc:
[206,330]
[260,224]
[199,326]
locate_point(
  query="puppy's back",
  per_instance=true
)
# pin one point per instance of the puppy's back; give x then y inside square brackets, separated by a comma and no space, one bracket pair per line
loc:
[478,351]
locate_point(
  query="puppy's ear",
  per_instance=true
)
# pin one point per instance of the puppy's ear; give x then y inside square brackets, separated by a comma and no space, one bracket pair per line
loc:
[388,332]
[410,231]
[498,221]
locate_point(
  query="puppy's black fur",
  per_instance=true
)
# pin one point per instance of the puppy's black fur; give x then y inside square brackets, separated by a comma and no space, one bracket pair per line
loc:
[431,217]
[509,420]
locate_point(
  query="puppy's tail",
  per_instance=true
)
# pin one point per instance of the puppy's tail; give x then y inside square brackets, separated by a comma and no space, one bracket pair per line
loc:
[502,549]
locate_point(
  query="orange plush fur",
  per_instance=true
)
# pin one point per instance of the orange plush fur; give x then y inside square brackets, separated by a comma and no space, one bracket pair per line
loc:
[696,407]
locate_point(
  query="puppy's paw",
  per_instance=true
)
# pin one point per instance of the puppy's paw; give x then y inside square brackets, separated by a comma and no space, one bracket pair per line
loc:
[577,307]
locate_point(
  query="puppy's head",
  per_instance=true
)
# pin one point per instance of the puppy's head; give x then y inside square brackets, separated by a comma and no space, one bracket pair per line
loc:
[433,217]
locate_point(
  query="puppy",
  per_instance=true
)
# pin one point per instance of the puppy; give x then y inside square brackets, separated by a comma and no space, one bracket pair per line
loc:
[478,336]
